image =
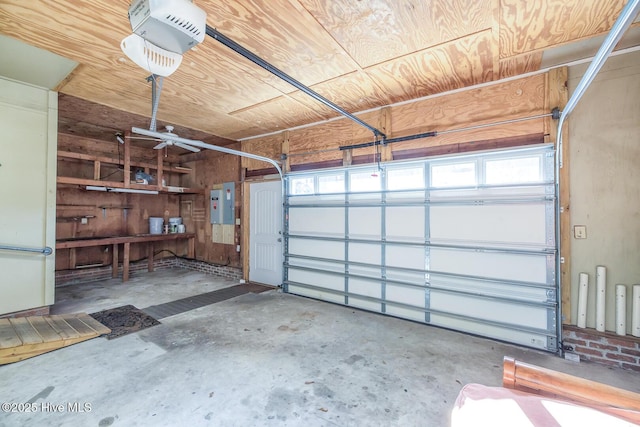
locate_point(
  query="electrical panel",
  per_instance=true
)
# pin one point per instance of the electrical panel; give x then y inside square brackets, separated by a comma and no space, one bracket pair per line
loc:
[222,204]
[229,206]
[216,206]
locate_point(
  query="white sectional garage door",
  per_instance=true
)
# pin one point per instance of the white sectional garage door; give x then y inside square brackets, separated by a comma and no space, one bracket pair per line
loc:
[464,242]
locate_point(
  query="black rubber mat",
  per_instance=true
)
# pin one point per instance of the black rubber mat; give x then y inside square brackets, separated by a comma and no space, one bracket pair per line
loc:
[190,303]
[124,320]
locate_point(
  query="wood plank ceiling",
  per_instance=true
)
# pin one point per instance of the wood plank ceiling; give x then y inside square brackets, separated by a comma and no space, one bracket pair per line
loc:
[360,54]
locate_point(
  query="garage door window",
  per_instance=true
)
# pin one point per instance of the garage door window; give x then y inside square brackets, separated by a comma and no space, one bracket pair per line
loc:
[453,175]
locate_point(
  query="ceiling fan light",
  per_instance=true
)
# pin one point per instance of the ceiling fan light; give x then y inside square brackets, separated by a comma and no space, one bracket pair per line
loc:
[150,57]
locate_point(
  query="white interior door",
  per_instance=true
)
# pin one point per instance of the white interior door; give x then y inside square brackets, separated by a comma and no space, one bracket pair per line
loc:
[28,119]
[265,237]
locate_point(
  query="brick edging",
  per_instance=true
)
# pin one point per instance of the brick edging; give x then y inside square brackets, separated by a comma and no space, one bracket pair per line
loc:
[224,271]
[622,351]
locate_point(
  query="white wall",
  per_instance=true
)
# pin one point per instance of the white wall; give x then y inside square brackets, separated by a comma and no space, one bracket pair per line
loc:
[29,122]
[604,132]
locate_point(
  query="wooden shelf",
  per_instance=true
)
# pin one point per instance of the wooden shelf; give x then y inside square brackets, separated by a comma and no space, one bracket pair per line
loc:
[109,160]
[126,162]
[117,184]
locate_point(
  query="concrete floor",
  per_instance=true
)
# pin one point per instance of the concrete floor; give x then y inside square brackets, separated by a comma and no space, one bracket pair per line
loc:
[258,359]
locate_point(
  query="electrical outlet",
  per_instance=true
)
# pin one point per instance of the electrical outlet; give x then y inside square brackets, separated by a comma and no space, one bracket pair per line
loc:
[580,231]
[83,220]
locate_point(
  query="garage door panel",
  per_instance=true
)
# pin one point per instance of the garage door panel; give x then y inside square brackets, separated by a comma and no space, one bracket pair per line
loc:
[322,248]
[316,294]
[368,288]
[369,253]
[405,313]
[505,266]
[404,276]
[525,338]
[465,242]
[490,310]
[317,221]
[527,294]
[521,224]
[325,280]
[405,256]
[365,272]
[405,295]
[364,223]
[364,304]
[405,223]
[301,263]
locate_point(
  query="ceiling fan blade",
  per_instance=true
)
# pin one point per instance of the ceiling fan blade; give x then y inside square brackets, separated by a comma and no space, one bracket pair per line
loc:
[161,145]
[186,147]
[143,138]
[145,132]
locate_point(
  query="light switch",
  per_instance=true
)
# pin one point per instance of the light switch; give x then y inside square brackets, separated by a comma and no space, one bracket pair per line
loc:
[580,231]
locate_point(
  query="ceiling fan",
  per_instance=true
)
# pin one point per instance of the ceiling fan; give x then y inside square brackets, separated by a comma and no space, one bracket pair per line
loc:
[167,138]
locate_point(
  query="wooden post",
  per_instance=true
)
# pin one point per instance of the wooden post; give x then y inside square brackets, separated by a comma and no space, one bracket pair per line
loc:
[125,262]
[245,214]
[191,251]
[72,259]
[347,157]
[557,96]
[150,256]
[114,264]
[384,124]
[127,159]
[286,166]
[159,171]
[96,170]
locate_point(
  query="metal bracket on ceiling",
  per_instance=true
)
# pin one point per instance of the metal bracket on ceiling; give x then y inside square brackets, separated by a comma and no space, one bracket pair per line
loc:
[216,35]
[156,88]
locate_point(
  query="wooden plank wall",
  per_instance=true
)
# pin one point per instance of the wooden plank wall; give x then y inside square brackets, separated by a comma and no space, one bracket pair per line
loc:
[505,101]
[73,203]
[211,170]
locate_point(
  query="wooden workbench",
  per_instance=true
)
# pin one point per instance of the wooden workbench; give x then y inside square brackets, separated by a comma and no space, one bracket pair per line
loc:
[126,241]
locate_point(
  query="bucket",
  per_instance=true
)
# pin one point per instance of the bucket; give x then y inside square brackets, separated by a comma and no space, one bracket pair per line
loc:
[155,225]
[175,220]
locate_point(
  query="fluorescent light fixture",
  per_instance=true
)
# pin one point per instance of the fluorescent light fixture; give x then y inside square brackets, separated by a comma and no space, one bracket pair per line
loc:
[120,190]
[131,190]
